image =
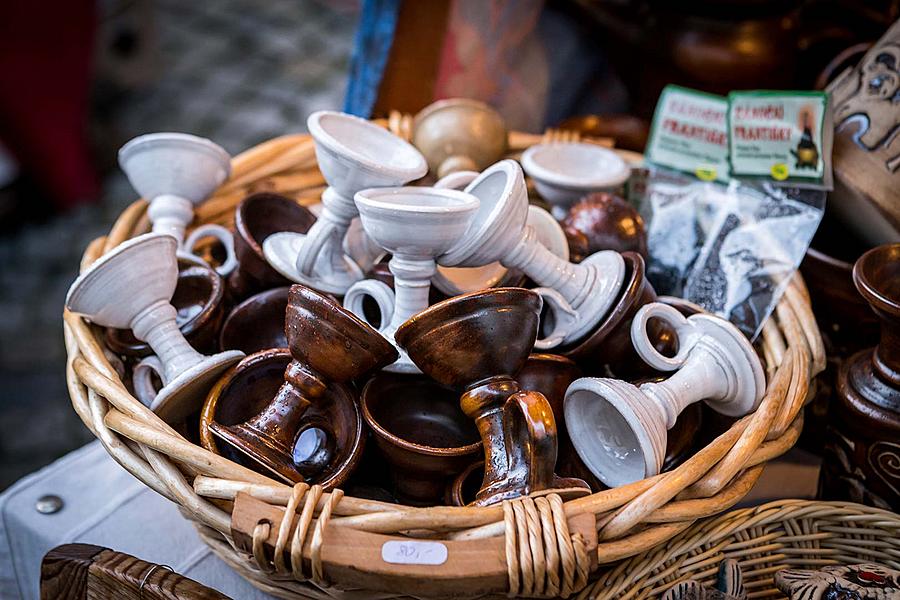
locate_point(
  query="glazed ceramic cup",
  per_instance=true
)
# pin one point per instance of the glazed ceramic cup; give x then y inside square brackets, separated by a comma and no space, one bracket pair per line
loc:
[619,429]
[578,295]
[256,218]
[175,172]
[199,308]
[475,342]
[459,134]
[257,323]
[132,287]
[415,225]
[421,432]
[353,154]
[250,385]
[609,223]
[330,347]
[565,172]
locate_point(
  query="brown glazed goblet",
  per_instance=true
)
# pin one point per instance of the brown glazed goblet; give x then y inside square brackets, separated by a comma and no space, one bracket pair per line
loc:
[257,217]
[257,323]
[250,385]
[609,223]
[199,310]
[421,432]
[330,346]
[476,342]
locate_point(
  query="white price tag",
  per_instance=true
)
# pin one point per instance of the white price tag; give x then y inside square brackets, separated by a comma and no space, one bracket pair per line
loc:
[414,552]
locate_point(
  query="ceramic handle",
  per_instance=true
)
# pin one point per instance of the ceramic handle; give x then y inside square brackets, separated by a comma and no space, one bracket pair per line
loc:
[531,437]
[563,315]
[142,379]
[457,180]
[379,291]
[640,337]
[223,236]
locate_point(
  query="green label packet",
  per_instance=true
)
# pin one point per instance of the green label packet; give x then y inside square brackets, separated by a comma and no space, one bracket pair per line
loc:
[690,133]
[779,135]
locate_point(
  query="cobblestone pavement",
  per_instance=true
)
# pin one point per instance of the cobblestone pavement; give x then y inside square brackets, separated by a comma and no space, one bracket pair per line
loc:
[236,71]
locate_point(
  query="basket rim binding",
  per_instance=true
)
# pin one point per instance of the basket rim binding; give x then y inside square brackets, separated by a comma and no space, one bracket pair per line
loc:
[629,520]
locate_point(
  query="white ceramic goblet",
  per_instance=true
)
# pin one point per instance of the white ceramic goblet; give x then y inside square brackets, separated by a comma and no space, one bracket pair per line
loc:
[416,225]
[564,172]
[619,429]
[578,296]
[353,154]
[175,172]
[131,287]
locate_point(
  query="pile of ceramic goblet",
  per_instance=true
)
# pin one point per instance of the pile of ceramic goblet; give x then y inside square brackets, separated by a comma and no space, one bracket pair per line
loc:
[433,356]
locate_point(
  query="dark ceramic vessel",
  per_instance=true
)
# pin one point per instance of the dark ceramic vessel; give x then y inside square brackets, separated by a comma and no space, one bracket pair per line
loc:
[257,323]
[863,451]
[421,432]
[609,223]
[257,217]
[330,346]
[198,302]
[476,342]
[248,387]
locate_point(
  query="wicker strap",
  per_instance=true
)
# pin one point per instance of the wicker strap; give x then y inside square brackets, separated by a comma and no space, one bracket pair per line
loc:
[297,533]
[542,558]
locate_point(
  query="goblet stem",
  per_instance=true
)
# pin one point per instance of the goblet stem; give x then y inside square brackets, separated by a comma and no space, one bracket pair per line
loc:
[700,378]
[156,325]
[327,233]
[548,270]
[412,283]
[171,214]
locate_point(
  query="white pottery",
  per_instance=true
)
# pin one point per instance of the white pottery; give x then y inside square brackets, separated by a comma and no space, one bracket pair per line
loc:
[353,154]
[564,172]
[416,225]
[578,296]
[619,429]
[131,288]
[458,180]
[176,172]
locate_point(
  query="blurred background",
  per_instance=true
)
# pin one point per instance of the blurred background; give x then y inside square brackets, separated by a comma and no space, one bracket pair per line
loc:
[80,78]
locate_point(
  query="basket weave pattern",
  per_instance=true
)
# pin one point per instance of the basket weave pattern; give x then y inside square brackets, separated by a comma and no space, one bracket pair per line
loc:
[542,558]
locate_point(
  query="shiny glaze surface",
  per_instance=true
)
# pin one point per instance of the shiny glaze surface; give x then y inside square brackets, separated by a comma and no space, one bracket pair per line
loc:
[257,323]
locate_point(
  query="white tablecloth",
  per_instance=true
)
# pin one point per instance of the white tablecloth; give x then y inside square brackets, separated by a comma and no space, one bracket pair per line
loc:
[107,506]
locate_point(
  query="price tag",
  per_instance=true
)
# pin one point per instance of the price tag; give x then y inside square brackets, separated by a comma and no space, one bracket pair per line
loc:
[414,552]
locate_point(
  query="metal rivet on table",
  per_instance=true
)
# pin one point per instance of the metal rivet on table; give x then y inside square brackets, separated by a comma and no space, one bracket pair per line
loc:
[49,504]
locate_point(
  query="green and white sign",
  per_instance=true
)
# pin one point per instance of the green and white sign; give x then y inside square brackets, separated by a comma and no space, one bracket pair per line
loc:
[777,135]
[690,133]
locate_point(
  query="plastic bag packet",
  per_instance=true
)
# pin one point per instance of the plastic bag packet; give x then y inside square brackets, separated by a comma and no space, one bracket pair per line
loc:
[758,238]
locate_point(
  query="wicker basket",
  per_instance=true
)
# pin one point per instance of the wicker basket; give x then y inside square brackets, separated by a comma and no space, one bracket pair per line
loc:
[327,545]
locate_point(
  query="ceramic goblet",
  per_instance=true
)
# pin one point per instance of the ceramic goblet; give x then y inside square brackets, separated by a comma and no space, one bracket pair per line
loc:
[353,155]
[175,172]
[416,225]
[421,432]
[619,429]
[565,172]
[131,287]
[578,296]
[330,347]
[476,342]
[459,134]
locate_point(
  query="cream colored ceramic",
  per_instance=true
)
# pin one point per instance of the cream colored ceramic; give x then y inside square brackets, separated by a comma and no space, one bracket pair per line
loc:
[578,296]
[353,154]
[564,172]
[459,134]
[416,225]
[619,429]
[175,172]
[131,287]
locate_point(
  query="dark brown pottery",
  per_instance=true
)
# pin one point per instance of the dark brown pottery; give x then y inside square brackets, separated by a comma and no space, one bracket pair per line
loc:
[476,342]
[609,223]
[421,432]
[464,487]
[257,217]
[199,310]
[863,452]
[550,374]
[248,387]
[257,323]
[610,342]
[330,346]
